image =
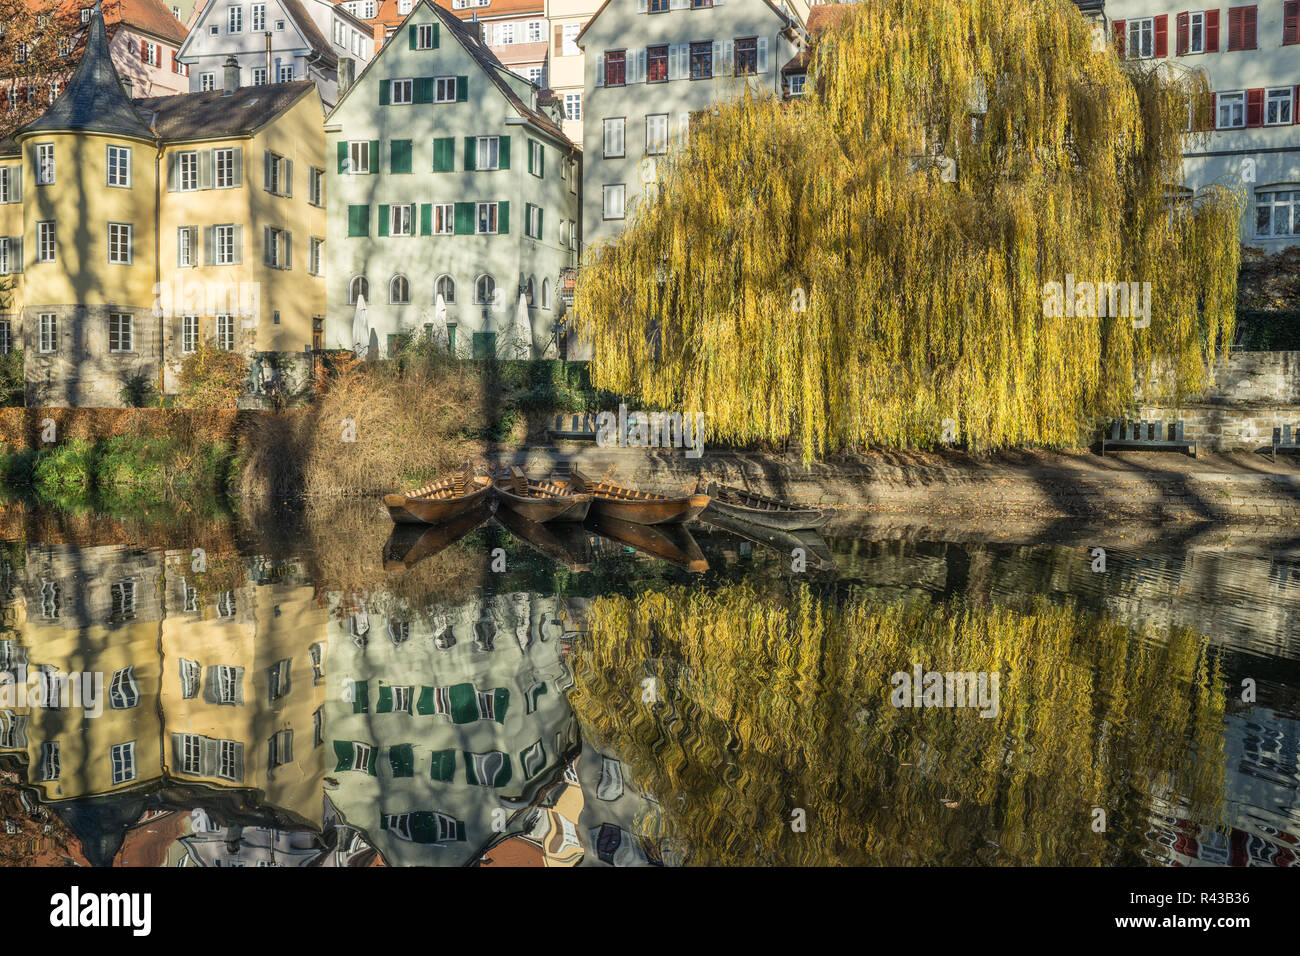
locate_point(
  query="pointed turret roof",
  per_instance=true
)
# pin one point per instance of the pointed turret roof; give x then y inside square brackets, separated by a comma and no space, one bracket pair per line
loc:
[94,101]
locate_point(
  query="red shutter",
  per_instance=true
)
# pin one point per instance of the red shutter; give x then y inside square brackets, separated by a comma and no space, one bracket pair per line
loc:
[1255,107]
[1211,31]
[1180,33]
[144,52]
[1295,106]
[1212,117]
[1234,28]
[1291,21]
[1162,35]
[1249,20]
[1117,31]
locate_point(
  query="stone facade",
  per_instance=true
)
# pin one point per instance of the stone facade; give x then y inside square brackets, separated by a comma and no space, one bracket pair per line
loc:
[80,369]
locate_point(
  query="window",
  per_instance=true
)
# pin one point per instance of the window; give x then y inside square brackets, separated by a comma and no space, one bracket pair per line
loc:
[228,681]
[746,56]
[1232,110]
[189,679]
[276,247]
[445,286]
[191,749]
[226,169]
[123,692]
[231,760]
[8,176]
[485,290]
[443,219]
[318,726]
[1196,32]
[536,158]
[187,170]
[658,6]
[424,36]
[277,174]
[6,329]
[486,700]
[614,137]
[279,750]
[45,241]
[573,106]
[315,255]
[186,240]
[189,593]
[612,204]
[149,53]
[50,600]
[225,241]
[701,4]
[1141,39]
[358,288]
[701,61]
[189,334]
[49,340]
[226,342]
[119,243]
[316,654]
[656,134]
[535,30]
[533,221]
[569,39]
[45,164]
[546,293]
[259,76]
[123,760]
[121,338]
[486,218]
[1241,28]
[401,92]
[316,186]
[616,68]
[796,84]
[119,166]
[277,679]
[207,81]
[50,760]
[399,291]
[359,156]
[1277,213]
[444,89]
[489,153]
[1279,106]
[506,34]
[656,63]
[235,21]
[533,74]
[85,14]
[399,219]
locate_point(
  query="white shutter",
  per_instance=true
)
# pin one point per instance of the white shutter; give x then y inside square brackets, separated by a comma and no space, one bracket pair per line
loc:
[675,71]
[641,6]
[619,129]
[600,70]
[684,126]
[727,67]
[678,4]
[762,54]
[640,65]
[716,64]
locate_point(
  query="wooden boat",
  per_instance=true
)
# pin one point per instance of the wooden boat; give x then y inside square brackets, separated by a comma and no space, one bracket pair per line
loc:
[639,507]
[760,510]
[541,501]
[816,553]
[441,500]
[562,541]
[666,542]
[409,544]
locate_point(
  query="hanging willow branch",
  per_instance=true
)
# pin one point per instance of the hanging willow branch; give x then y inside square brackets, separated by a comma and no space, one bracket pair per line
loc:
[858,266]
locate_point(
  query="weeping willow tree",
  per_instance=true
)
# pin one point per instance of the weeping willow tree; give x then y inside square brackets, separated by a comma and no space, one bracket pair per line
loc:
[860,265]
[771,707]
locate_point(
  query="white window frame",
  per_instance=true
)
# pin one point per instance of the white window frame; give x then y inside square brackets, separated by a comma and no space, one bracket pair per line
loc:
[223,168]
[1235,102]
[224,254]
[444,219]
[119,167]
[1283,98]
[122,759]
[573,107]
[257,18]
[1140,33]
[48,332]
[225,341]
[1195,21]
[569,40]
[259,76]
[207,81]
[444,89]
[191,676]
[229,753]
[45,168]
[47,241]
[607,193]
[315,255]
[235,20]
[358,149]
[401,92]
[123,691]
[130,347]
[187,171]
[487,153]
[121,243]
[227,684]
[485,214]
[186,253]
[401,219]
[191,755]
[392,283]
[1275,200]
[424,36]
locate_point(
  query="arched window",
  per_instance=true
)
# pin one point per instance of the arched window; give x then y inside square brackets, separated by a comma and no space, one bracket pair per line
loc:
[546,293]
[529,286]
[485,290]
[357,288]
[445,287]
[399,291]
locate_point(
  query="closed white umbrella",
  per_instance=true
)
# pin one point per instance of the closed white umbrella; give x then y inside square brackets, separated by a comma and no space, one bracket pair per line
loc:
[523,329]
[361,328]
[440,321]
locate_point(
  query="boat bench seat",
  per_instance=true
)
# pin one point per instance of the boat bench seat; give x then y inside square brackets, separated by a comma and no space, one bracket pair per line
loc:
[1147,436]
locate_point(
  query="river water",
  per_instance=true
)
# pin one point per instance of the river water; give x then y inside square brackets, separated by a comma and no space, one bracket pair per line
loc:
[311,691]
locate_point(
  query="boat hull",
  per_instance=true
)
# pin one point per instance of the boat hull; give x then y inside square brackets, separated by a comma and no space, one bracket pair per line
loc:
[667,542]
[796,519]
[405,510]
[649,511]
[410,543]
[565,542]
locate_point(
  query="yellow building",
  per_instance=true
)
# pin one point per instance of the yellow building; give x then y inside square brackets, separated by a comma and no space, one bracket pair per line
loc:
[11,232]
[152,225]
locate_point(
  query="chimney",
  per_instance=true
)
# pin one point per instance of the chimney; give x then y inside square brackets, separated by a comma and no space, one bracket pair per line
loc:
[347,73]
[232,77]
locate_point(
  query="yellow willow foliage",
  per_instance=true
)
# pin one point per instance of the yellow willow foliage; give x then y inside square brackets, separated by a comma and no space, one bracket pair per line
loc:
[812,271]
[771,706]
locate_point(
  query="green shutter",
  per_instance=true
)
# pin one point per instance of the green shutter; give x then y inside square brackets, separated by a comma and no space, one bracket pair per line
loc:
[385,705]
[424,89]
[444,155]
[374,156]
[462,89]
[401,757]
[343,157]
[435,36]
[464,219]
[464,703]
[343,751]
[424,703]
[370,766]
[443,766]
[541,214]
[358,220]
[426,219]
[400,156]
[503,218]
[460,832]
[360,689]
[471,153]
[505,152]
[384,91]
[541,161]
[530,157]
[500,704]
[412,36]
[383,219]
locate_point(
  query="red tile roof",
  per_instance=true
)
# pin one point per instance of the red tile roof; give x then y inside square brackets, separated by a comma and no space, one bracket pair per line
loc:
[147,16]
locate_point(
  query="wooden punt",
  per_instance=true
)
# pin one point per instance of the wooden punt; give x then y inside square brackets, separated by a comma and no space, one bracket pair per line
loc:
[760,510]
[639,507]
[441,500]
[562,541]
[409,544]
[541,501]
[667,542]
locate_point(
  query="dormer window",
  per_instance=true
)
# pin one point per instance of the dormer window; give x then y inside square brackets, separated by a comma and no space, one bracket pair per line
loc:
[85,14]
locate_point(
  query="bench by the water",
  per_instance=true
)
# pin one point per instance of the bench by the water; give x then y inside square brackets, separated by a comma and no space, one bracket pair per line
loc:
[1146,436]
[1285,442]
[572,428]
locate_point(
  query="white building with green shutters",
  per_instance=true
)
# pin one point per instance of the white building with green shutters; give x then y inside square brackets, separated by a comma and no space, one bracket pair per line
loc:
[447,180]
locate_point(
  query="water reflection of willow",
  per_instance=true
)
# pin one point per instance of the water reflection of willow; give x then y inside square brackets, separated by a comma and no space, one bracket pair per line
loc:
[771,706]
